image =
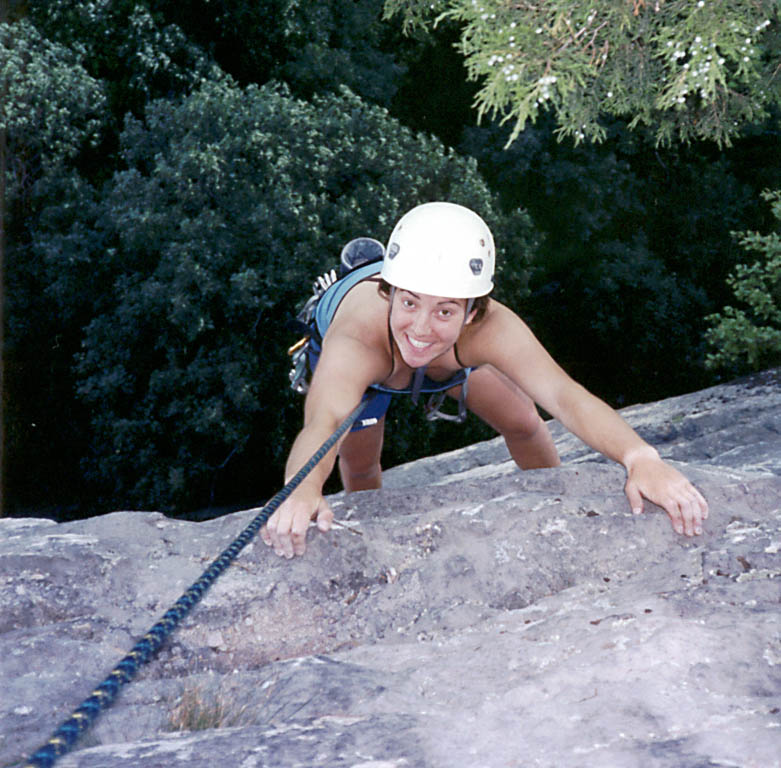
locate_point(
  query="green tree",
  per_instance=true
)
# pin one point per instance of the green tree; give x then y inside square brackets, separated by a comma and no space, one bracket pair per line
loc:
[686,69]
[232,201]
[52,112]
[313,47]
[750,336]
[52,108]
[133,50]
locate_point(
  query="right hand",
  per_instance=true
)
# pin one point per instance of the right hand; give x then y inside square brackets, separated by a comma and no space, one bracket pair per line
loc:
[286,529]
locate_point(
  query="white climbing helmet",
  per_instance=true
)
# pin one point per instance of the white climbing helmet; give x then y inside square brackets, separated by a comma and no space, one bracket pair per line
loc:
[441,249]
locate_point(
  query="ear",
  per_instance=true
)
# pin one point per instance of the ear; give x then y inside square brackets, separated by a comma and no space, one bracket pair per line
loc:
[470,317]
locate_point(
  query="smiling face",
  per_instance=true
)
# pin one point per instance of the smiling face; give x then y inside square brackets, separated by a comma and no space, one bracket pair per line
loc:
[423,326]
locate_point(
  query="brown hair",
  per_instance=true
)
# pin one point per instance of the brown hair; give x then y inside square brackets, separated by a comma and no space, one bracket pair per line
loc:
[479,306]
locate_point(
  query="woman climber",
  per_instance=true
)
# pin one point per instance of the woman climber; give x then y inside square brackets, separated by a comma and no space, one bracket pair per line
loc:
[421,320]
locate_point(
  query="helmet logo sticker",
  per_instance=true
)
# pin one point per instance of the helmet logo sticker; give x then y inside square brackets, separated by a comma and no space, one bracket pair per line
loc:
[476,265]
[393,250]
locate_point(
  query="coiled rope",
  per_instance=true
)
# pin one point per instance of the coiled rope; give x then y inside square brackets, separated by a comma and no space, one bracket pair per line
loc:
[64,738]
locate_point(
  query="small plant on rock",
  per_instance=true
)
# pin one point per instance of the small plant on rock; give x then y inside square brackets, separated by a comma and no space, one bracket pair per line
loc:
[199,710]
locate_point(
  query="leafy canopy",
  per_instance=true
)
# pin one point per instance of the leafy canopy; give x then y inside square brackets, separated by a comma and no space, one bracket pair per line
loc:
[688,69]
[130,49]
[50,107]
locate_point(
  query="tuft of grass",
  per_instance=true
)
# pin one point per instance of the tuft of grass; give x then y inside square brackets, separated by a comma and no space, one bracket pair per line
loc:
[198,710]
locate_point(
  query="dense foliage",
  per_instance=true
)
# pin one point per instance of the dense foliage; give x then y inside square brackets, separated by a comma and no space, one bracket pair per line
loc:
[178,172]
[53,115]
[687,69]
[751,335]
[125,44]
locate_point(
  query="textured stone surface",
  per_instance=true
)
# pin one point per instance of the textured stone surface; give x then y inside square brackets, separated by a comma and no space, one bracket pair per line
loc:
[474,615]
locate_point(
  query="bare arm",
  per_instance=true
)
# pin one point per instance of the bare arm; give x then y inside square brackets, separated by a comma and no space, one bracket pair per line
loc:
[507,343]
[345,369]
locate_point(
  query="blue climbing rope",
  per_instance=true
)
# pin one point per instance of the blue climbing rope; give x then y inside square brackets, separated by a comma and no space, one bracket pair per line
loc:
[64,738]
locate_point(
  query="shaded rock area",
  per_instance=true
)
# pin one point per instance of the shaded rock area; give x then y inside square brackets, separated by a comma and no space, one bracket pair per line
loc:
[468,614]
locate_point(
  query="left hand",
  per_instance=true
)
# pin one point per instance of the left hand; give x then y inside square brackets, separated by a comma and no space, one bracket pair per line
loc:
[650,477]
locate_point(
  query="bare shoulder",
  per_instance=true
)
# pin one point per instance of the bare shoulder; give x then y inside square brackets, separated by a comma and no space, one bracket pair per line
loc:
[355,349]
[503,340]
[362,315]
[488,340]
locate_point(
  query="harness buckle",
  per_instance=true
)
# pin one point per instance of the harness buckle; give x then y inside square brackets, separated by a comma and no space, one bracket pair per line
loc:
[432,407]
[299,369]
[298,372]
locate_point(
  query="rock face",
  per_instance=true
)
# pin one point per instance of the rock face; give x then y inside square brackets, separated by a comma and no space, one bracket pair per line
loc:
[468,614]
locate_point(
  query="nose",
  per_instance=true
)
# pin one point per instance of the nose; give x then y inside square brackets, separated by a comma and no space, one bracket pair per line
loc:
[421,325]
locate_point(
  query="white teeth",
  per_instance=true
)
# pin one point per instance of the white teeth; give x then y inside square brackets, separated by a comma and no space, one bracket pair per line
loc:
[418,344]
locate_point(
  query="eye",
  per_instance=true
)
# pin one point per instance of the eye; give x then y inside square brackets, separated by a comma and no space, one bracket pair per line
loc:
[448,312]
